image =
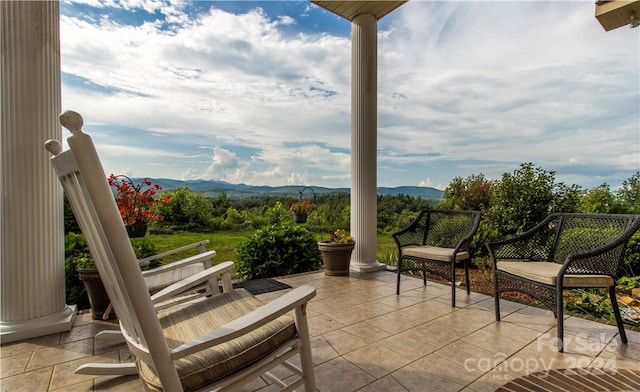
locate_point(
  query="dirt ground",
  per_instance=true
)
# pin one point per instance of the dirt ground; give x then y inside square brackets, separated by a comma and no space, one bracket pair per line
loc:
[482,282]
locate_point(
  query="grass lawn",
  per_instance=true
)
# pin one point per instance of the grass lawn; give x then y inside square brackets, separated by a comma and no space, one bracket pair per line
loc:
[225,244]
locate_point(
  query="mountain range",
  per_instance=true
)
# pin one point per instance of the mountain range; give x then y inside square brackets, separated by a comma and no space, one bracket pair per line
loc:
[213,188]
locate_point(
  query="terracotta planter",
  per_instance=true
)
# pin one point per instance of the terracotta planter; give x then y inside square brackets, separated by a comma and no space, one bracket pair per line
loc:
[299,217]
[96,292]
[336,257]
[137,230]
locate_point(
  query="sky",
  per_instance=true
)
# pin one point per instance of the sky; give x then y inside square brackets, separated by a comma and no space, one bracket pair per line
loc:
[259,92]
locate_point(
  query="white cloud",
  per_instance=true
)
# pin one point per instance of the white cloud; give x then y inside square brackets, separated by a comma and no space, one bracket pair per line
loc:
[464,88]
[426,182]
[226,166]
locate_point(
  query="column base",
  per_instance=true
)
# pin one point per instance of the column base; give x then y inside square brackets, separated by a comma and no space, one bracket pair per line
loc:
[20,330]
[367,267]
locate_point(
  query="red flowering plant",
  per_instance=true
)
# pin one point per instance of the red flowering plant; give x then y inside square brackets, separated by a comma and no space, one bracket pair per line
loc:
[301,207]
[137,205]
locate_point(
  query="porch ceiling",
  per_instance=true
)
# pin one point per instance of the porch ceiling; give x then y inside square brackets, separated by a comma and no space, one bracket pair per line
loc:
[351,9]
[614,14]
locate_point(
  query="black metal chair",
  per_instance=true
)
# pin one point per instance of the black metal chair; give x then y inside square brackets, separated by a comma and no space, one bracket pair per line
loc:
[436,241]
[564,251]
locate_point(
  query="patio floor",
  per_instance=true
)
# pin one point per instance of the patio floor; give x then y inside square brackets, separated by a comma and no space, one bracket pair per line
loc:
[365,338]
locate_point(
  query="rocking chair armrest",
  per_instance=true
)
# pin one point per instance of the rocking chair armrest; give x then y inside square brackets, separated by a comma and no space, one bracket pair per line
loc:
[296,298]
[199,258]
[177,250]
[192,281]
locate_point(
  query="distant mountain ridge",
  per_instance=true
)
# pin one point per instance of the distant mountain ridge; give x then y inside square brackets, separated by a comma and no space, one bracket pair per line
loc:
[237,191]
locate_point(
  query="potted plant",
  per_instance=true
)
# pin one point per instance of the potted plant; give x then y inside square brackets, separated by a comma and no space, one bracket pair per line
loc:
[336,253]
[80,263]
[136,205]
[300,210]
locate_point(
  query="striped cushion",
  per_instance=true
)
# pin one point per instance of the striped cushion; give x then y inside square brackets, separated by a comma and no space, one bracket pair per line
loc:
[159,281]
[434,253]
[186,323]
[547,273]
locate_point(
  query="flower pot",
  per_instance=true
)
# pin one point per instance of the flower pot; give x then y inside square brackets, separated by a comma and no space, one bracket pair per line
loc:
[137,230]
[96,292]
[299,217]
[336,257]
[98,298]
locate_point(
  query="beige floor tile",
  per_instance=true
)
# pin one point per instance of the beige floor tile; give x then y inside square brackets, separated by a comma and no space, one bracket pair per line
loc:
[386,384]
[633,336]
[82,332]
[28,345]
[376,360]
[366,331]
[82,317]
[119,384]
[59,354]
[416,380]
[14,364]
[442,330]
[320,307]
[398,301]
[513,331]
[491,381]
[493,342]
[37,380]
[341,375]
[412,346]
[462,353]
[533,318]
[322,351]
[412,342]
[361,312]
[85,386]
[391,323]
[439,366]
[424,311]
[344,342]
[322,324]
[64,373]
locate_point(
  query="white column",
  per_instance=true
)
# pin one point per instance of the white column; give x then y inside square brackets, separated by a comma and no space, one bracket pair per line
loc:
[364,89]
[32,298]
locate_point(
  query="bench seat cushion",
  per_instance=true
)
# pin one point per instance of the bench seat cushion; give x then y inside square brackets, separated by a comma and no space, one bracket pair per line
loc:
[184,324]
[434,253]
[159,281]
[547,273]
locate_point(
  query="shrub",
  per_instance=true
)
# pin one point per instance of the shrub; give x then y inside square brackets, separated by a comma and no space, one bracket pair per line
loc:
[277,250]
[631,265]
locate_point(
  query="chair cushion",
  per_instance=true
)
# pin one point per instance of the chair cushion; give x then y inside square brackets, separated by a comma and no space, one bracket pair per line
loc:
[159,281]
[434,253]
[547,273]
[183,324]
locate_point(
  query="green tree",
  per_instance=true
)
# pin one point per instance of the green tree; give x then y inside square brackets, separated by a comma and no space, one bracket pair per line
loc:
[597,200]
[566,198]
[186,209]
[219,205]
[628,196]
[471,193]
[521,199]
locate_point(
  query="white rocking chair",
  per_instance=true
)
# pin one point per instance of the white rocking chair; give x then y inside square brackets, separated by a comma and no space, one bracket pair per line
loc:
[216,343]
[157,279]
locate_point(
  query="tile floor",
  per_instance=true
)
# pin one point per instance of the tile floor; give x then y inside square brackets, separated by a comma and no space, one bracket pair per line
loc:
[365,338]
